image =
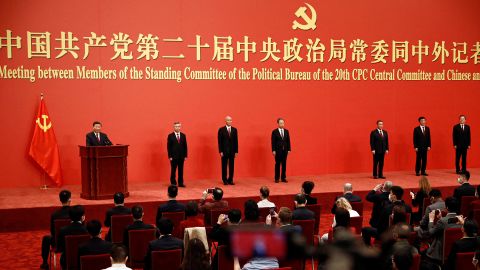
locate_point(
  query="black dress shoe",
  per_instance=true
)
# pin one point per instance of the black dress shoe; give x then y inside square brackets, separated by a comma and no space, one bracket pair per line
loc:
[182,185]
[231,183]
[284,181]
[425,174]
[44,266]
[383,177]
[276,181]
[417,174]
[374,177]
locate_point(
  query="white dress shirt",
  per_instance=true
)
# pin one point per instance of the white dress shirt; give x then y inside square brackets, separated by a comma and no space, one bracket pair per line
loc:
[265,203]
[118,266]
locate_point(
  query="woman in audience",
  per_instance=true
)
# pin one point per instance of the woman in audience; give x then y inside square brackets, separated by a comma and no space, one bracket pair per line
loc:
[196,256]
[345,204]
[417,198]
[192,218]
[341,220]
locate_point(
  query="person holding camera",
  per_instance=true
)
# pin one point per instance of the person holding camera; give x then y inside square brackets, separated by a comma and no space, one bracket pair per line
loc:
[217,203]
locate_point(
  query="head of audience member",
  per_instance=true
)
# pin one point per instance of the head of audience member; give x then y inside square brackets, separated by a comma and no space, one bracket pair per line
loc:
[165,225]
[464,178]
[97,126]
[396,194]
[251,211]
[347,188]
[234,216]
[435,195]
[191,209]
[401,232]
[342,218]
[94,228]
[307,187]
[65,197]
[402,257]
[470,228]
[118,255]
[137,213]
[300,200]
[387,186]
[217,194]
[118,199]
[452,205]
[343,203]
[76,213]
[264,192]
[284,216]
[424,184]
[172,192]
[196,256]
[399,214]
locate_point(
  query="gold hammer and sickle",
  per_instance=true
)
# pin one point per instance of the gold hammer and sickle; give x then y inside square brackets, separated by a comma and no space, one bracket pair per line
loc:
[44,126]
[310,22]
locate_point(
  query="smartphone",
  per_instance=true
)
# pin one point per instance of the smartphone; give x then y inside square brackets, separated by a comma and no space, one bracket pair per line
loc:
[272,211]
[210,190]
[453,220]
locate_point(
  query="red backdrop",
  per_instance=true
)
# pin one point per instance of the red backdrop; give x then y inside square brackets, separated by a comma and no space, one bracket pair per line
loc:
[329,121]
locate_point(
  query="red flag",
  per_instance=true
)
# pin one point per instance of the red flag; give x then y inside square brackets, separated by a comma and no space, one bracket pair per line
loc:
[44,147]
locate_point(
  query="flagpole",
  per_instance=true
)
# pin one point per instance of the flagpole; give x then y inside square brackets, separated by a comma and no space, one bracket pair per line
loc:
[44,175]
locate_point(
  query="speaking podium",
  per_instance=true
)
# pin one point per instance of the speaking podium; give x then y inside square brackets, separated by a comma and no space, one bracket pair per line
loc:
[104,171]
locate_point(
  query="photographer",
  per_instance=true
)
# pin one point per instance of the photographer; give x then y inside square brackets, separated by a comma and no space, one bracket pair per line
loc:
[217,203]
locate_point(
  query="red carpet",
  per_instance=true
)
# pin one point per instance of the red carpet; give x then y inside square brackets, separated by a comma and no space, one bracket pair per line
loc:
[21,237]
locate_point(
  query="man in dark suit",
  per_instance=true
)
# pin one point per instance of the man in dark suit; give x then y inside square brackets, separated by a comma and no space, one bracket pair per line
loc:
[177,153]
[165,242]
[221,233]
[422,144]
[61,213]
[465,189]
[347,194]
[379,147]
[461,143]
[172,205]
[307,188]
[96,245]
[280,149]
[228,148]
[119,209]
[468,243]
[77,215]
[379,197]
[138,224]
[97,138]
[301,212]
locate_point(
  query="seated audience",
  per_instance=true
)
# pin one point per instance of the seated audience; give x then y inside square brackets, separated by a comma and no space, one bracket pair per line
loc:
[468,243]
[77,216]
[217,203]
[172,205]
[192,217]
[221,234]
[96,245]
[437,203]
[119,209]
[417,198]
[465,189]
[307,188]
[138,224]
[379,197]
[251,212]
[347,194]
[402,258]
[196,256]
[60,213]
[341,220]
[344,204]
[264,195]
[165,242]
[118,257]
[301,212]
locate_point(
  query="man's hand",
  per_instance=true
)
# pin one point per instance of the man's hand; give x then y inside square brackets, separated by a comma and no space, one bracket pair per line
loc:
[469,147]
[268,220]
[222,218]
[204,195]
[273,152]
[416,149]
[431,216]
[377,187]
[461,219]
[455,146]
[236,154]
[185,158]
[373,152]
[170,159]
[386,152]
[428,148]
[221,154]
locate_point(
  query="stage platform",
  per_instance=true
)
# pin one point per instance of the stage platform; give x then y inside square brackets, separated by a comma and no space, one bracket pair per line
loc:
[24,209]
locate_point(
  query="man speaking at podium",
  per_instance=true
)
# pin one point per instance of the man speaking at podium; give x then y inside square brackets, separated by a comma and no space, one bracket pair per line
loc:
[97,138]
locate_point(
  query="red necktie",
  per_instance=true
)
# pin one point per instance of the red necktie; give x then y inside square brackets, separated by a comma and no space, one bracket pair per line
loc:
[381,133]
[98,137]
[178,138]
[228,132]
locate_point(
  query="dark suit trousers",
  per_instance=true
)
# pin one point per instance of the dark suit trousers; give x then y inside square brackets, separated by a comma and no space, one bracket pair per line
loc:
[378,164]
[46,243]
[461,152]
[230,160]
[421,162]
[281,160]
[174,164]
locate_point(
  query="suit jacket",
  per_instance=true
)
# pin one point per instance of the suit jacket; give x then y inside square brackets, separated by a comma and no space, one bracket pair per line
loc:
[461,138]
[61,213]
[280,144]
[93,141]
[175,149]
[377,142]
[94,246]
[438,205]
[227,144]
[310,199]
[421,140]
[468,244]
[137,225]
[349,196]
[464,190]
[435,231]
[378,200]
[387,211]
[302,213]
[170,206]
[165,242]
[75,228]
[117,210]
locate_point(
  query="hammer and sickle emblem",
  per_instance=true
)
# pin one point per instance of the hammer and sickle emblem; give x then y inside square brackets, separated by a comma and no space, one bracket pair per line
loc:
[310,22]
[44,126]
